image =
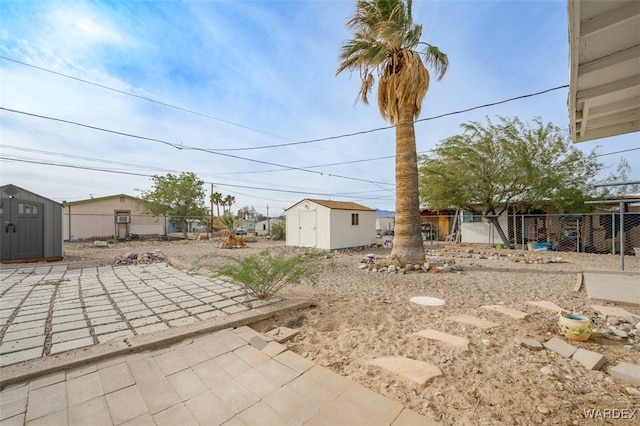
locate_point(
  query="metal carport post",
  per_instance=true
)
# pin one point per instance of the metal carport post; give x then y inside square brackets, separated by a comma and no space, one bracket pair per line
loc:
[621,204]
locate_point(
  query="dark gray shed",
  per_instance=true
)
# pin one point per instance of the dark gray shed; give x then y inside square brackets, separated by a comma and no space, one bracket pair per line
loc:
[31,226]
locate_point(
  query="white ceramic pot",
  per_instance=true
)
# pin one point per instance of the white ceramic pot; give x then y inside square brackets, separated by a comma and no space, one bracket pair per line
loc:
[575,327]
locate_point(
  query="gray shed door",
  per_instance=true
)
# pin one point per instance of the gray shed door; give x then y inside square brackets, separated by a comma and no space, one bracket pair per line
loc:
[22,231]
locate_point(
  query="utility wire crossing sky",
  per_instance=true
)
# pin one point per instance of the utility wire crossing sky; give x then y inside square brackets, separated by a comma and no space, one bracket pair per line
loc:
[99,96]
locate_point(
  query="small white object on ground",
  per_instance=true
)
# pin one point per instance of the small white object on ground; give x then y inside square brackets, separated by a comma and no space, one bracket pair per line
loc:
[427,301]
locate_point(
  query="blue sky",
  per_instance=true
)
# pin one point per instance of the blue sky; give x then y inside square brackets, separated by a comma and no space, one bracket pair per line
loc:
[235,76]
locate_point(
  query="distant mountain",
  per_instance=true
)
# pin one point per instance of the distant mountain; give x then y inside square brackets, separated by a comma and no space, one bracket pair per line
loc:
[385,213]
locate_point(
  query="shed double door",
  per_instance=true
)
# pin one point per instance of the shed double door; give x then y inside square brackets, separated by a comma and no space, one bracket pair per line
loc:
[22,232]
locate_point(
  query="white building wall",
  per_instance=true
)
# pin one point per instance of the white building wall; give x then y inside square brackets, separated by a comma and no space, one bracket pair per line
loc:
[345,235]
[384,224]
[263,227]
[481,232]
[97,219]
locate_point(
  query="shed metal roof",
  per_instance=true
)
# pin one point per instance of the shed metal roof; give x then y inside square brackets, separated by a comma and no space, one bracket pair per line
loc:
[338,205]
[92,200]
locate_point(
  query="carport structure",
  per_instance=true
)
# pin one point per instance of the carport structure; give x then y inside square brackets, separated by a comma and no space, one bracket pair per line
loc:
[604,46]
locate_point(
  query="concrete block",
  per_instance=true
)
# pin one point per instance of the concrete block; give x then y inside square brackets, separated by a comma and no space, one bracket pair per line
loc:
[473,321]
[627,372]
[546,305]
[528,342]
[589,360]
[125,404]
[560,346]
[409,370]
[513,313]
[457,342]
[100,244]
[611,311]
[258,342]
[578,285]
[282,334]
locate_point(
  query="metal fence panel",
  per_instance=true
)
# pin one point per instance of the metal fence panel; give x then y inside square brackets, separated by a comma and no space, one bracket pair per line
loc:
[607,232]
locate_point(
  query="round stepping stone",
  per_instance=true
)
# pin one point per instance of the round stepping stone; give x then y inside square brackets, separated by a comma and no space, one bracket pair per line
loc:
[427,301]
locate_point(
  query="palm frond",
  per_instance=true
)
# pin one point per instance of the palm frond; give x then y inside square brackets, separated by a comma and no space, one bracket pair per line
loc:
[386,40]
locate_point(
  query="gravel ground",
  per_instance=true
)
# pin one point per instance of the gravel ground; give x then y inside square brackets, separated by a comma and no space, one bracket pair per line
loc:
[362,314]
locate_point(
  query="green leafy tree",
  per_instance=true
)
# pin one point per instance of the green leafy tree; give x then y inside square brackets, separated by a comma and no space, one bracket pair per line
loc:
[178,196]
[497,166]
[387,42]
[247,212]
[616,184]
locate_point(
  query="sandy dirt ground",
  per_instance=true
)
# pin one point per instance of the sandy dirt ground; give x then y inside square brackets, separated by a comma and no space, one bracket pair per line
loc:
[361,315]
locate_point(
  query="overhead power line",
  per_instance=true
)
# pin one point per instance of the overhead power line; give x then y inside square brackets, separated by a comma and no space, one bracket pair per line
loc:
[187,147]
[221,151]
[122,172]
[124,92]
[292,143]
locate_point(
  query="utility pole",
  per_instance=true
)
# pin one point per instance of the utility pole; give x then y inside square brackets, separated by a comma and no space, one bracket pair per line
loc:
[211,211]
[268,223]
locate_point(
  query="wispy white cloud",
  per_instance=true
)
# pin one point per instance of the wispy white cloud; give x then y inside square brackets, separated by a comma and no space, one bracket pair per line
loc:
[259,73]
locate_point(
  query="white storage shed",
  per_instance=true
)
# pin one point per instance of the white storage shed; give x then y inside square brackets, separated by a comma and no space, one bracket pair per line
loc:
[330,225]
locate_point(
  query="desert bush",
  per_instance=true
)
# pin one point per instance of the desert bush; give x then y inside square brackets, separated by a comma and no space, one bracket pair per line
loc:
[278,231]
[264,274]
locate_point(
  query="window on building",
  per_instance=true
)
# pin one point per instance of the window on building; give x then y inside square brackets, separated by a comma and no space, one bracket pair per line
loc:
[471,217]
[355,219]
[122,199]
[27,209]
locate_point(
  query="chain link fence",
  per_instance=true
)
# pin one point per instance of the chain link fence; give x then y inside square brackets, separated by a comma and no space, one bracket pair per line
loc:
[607,232]
[586,233]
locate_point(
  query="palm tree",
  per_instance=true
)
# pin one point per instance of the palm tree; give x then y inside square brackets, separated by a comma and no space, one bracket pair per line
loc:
[228,201]
[216,198]
[385,40]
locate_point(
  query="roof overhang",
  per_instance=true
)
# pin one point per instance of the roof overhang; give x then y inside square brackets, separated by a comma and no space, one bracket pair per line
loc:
[604,49]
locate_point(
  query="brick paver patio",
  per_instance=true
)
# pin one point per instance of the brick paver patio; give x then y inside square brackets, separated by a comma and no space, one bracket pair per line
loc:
[50,309]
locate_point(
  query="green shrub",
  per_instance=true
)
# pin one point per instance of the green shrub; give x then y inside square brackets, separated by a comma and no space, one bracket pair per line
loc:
[264,274]
[278,231]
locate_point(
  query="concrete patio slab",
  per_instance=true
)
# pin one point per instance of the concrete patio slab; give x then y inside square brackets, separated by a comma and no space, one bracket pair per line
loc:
[171,385]
[456,342]
[614,286]
[546,305]
[473,321]
[612,311]
[418,373]
[627,372]
[513,313]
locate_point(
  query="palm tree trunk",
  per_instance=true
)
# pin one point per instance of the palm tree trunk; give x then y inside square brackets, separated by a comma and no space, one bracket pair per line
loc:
[407,239]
